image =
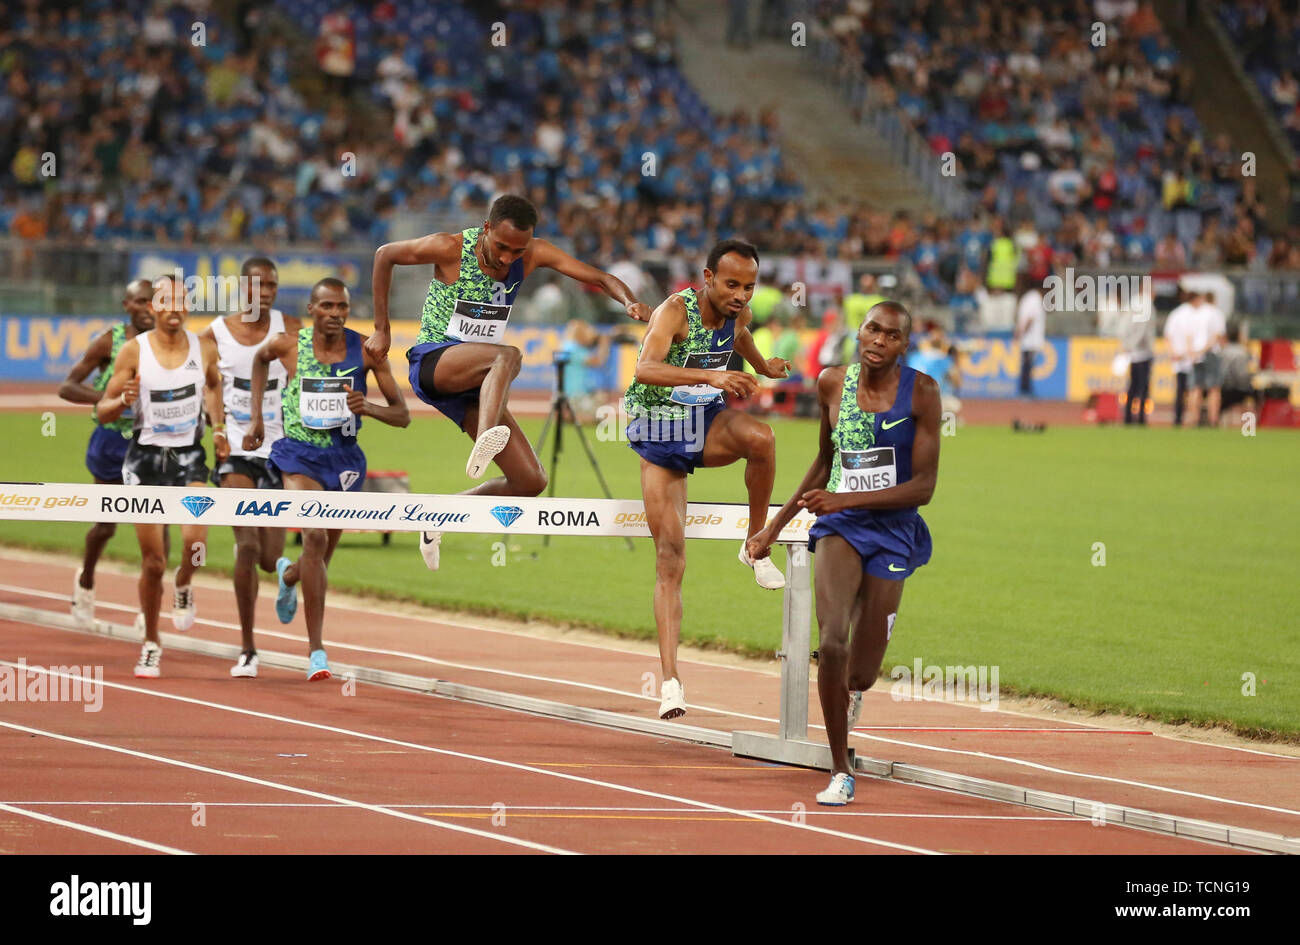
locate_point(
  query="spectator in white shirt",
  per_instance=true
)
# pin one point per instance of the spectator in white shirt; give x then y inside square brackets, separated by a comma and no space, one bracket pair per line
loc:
[1178,334]
[1031,331]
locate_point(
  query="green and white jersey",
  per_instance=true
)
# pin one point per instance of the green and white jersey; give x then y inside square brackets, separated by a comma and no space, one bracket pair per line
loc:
[475,307]
[702,348]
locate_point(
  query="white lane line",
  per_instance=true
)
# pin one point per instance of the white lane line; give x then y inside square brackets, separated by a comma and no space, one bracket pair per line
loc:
[359,805]
[1081,774]
[759,718]
[554,807]
[482,759]
[86,828]
[874,694]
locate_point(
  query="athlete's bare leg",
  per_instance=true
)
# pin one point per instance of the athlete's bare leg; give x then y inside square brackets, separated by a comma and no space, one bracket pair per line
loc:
[733,436]
[664,493]
[311,568]
[488,368]
[254,548]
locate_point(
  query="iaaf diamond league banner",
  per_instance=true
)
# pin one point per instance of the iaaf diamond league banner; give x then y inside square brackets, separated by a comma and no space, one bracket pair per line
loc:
[368,511]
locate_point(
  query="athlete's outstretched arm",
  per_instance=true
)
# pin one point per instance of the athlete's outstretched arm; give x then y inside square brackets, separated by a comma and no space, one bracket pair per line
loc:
[435,249]
[395,414]
[124,386]
[925,463]
[277,347]
[776,368]
[830,384]
[549,256]
[73,387]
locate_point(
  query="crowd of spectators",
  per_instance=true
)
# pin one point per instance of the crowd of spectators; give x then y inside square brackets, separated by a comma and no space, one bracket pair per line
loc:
[315,121]
[1081,134]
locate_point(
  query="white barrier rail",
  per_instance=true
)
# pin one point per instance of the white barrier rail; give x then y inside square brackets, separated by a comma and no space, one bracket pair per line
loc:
[414,512]
[381,511]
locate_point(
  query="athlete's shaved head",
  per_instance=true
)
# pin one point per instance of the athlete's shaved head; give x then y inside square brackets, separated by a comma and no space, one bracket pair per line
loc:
[329,282]
[256,262]
[897,308]
[138,303]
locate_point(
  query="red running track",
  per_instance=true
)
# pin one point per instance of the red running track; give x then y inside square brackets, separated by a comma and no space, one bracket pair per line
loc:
[280,765]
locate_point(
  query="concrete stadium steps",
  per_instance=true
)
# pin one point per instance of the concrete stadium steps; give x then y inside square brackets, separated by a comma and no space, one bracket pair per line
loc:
[834,156]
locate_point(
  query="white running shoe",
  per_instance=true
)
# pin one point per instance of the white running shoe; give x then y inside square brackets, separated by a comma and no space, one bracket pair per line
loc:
[183,608]
[855,707]
[246,667]
[149,665]
[430,545]
[83,602]
[672,700]
[489,443]
[839,793]
[766,573]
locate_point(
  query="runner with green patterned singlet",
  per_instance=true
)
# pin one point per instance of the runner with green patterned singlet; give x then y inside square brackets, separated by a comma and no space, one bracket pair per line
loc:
[108,441]
[323,402]
[877,462]
[462,362]
[679,421]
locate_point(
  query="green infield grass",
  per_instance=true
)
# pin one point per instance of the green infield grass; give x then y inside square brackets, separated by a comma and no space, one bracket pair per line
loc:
[1195,605]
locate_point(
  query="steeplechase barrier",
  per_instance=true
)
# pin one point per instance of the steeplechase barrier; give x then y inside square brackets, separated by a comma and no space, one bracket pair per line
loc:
[75,502]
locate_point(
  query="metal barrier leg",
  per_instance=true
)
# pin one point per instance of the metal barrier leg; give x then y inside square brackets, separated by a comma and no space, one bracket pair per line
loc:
[790,745]
[796,642]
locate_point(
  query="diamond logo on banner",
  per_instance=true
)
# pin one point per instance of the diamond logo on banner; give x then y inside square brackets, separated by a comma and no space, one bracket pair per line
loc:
[507,515]
[197,504]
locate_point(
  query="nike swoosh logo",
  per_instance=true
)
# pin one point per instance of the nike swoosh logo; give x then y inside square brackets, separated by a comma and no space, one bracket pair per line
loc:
[511,288]
[723,341]
[892,568]
[886,426]
[344,373]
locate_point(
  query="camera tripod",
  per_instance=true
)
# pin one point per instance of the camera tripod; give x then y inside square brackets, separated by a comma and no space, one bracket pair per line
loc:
[561,413]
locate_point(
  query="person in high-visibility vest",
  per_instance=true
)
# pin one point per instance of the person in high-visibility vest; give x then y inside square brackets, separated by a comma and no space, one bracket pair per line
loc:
[1004,259]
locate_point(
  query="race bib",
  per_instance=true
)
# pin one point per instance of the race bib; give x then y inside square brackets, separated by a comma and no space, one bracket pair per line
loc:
[323,402]
[241,400]
[478,321]
[692,395]
[867,470]
[173,411]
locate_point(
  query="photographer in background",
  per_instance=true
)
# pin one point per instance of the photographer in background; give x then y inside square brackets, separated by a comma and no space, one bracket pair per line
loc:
[583,348]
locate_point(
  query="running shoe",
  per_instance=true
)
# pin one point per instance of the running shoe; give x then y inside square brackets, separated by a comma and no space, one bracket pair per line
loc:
[83,602]
[286,601]
[839,793]
[489,443]
[672,700]
[855,707]
[766,573]
[430,546]
[183,608]
[245,667]
[149,665]
[318,668]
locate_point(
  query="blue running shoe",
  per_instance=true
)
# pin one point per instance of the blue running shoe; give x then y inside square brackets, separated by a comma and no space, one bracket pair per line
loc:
[286,602]
[318,668]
